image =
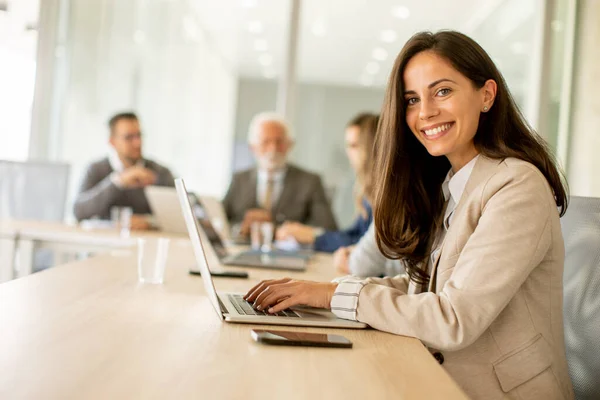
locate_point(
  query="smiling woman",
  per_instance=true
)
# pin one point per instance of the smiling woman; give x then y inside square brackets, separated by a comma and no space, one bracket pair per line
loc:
[440,80]
[468,197]
[442,113]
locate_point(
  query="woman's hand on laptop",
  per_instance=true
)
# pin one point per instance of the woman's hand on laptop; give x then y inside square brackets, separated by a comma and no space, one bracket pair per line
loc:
[279,294]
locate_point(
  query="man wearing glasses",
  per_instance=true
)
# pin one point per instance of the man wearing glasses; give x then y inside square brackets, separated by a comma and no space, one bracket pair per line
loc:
[119,179]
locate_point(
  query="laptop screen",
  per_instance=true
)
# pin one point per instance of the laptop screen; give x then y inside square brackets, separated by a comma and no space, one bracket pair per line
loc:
[195,236]
[207,226]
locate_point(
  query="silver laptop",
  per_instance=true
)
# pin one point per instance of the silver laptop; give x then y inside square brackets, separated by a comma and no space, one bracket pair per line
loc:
[165,208]
[293,261]
[231,307]
[167,212]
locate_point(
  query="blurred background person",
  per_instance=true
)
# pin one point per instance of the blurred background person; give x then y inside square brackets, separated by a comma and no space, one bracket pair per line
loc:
[360,136]
[120,178]
[275,190]
[365,259]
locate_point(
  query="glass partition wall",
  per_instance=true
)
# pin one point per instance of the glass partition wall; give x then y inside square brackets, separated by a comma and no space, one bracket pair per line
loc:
[196,71]
[18,44]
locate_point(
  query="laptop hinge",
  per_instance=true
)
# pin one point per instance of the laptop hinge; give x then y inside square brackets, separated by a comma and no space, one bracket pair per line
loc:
[222,306]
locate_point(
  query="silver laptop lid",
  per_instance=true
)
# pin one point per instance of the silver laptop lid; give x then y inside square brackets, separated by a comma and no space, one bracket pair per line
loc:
[205,224]
[165,208]
[194,233]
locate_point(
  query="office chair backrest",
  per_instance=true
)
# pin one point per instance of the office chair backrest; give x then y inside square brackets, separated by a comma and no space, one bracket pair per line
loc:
[33,190]
[581,232]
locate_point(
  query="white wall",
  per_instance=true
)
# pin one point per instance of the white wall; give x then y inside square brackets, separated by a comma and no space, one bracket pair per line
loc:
[584,151]
[121,56]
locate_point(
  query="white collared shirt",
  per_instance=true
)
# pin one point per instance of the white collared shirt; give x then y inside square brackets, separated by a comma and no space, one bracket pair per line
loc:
[262,180]
[453,188]
[344,302]
[117,166]
[115,162]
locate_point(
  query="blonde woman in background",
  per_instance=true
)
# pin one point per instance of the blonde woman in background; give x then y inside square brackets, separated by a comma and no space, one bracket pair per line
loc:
[360,136]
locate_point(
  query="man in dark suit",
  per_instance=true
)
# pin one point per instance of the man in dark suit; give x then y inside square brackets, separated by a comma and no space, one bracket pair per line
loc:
[275,190]
[120,178]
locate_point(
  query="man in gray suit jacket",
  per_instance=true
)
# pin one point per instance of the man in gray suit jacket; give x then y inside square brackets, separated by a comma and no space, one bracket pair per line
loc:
[276,190]
[120,178]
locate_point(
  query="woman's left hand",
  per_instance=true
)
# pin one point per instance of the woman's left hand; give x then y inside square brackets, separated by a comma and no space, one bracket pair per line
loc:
[277,295]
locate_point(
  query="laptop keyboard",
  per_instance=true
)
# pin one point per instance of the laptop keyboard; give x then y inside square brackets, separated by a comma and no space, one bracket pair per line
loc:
[245,308]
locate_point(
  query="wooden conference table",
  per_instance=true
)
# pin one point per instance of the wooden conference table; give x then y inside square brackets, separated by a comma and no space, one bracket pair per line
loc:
[19,239]
[89,330]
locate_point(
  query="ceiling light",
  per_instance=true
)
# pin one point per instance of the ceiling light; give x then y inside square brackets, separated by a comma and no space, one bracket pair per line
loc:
[518,48]
[401,12]
[380,54]
[372,68]
[261,45]
[249,3]
[366,80]
[265,59]
[388,36]
[255,27]
[139,37]
[318,28]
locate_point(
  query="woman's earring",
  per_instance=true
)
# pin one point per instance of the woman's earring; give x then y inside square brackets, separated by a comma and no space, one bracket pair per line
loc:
[485,108]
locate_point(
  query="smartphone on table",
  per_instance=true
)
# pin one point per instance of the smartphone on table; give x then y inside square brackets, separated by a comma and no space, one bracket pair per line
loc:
[286,338]
[223,274]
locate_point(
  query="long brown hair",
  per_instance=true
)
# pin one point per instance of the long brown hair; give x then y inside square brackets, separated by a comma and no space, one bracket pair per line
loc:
[408,200]
[367,126]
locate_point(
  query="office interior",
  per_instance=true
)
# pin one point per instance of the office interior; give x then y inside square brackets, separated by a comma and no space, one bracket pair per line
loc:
[197,71]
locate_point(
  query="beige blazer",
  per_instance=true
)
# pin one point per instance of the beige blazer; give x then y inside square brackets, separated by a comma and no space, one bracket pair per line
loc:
[494,309]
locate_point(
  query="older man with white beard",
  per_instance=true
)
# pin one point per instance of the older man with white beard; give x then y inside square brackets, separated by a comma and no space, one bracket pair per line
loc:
[275,190]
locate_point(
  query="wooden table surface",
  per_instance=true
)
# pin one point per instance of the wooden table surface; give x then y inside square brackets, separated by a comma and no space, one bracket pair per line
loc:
[89,330]
[58,232]
[19,239]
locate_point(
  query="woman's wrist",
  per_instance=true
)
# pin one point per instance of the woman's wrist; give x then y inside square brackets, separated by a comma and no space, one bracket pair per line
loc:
[332,286]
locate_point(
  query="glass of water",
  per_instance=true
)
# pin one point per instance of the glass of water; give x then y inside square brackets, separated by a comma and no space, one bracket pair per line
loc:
[255,236]
[121,219]
[125,221]
[266,229]
[152,260]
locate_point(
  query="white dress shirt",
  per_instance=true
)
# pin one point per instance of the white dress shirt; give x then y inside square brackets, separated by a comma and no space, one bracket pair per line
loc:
[117,165]
[345,299]
[262,180]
